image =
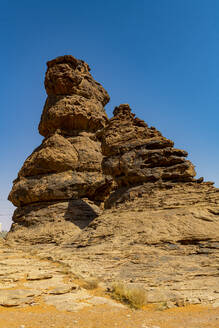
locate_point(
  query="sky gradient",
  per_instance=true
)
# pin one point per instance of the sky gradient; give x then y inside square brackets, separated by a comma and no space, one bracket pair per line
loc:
[159,56]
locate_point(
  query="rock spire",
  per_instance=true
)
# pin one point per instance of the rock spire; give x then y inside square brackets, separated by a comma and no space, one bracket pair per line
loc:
[61,184]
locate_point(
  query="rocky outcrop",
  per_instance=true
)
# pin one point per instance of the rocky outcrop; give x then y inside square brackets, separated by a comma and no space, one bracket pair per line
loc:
[136,154]
[160,227]
[62,180]
[87,163]
[124,200]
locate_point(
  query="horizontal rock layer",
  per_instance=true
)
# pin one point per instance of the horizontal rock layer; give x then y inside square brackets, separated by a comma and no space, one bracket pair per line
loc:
[135,153]
[58,154]
[52,222]
[64,185]
[70,114]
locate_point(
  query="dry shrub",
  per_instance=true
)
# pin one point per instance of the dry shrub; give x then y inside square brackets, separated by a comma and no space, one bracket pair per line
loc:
[133,296]
[90,284]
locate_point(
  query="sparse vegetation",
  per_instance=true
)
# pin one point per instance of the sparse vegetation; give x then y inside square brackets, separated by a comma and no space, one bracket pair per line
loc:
[133,296]
[90,284]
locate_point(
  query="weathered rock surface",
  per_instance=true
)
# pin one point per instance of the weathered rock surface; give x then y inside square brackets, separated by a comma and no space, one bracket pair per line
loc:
[75,100]
[61,220]
[61,185]
[135,153]
[37,281]
[57,186]
[122,201]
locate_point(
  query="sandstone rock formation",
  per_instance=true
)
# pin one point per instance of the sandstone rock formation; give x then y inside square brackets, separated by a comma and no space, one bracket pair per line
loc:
[135,154]
[160,227]
[87,163]
[61,184]
[123,199]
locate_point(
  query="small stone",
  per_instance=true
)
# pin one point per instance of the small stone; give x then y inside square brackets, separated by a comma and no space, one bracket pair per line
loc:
[39,276]
[60,290]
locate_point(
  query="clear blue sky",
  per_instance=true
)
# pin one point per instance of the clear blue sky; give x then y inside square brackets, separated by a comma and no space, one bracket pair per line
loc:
[160,56]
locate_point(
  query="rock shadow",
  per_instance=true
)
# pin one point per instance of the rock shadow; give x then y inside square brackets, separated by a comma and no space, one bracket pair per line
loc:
[81,213]
[78,211]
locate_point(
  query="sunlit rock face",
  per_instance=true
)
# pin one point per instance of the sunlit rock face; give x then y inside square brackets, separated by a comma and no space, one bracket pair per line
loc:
[75,100]
[62,180]
[88,164]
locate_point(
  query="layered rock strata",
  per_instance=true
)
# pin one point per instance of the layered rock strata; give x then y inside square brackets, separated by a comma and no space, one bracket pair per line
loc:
[87,164]
[61,183]
[160,227]
[135,154]
[123,199]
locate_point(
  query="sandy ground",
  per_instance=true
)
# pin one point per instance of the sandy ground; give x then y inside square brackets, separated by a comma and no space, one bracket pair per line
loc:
[43,316]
